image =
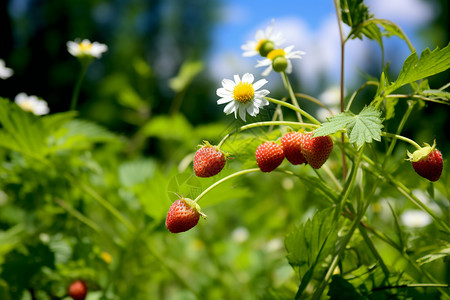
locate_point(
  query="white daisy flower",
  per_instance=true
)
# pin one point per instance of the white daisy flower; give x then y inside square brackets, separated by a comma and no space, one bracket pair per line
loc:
[279,60]
[32,104]
[4,71]
[86,48]
[415,218]
[242,95]
[264,42]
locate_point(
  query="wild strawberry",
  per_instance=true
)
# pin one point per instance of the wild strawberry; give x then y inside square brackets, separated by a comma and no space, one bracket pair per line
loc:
[292,147]
[316,150]
[183,215]
[269,156]
[427,162]
[77,290]
[208,161]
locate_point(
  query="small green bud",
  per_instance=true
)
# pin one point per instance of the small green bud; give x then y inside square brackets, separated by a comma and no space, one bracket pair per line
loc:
[279,63]
[265,48]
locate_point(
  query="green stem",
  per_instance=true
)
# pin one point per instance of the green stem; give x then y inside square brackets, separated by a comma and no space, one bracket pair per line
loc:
[288,86]
[400,137]
[313,100]
[79,216]
[352,98]
[76,90]
[412,285]
[399,130]
[102,202]
[223,180]
[296,109]
[266,123]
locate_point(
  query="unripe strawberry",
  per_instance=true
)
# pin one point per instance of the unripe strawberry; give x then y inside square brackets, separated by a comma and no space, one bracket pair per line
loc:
[208,161]
[183,215]
[269,156]
[316,150]
[427,162]
[77,290]
[292,147]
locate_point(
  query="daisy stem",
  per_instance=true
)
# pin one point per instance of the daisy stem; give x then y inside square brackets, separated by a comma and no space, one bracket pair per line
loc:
[400,137]
[288,86]
[294,108]
[266,123]
[76,90]
[223,180]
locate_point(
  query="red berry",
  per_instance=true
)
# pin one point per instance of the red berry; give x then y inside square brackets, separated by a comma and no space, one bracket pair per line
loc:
[208,161]
[292,147]
[430,166]
[269,156]
[77,290]
[316,150]
[183,215]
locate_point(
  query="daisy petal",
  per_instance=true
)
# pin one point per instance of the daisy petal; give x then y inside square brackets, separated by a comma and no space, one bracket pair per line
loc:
[259,84]
[248,78]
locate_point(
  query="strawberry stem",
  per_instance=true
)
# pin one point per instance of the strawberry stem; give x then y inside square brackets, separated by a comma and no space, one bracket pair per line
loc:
[400,137]
[223,180]
[266,123]
[296,109]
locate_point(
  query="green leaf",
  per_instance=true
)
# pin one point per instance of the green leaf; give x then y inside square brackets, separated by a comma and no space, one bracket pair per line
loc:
[354,12]
[175,127]
[429,63]
[188,71]
[309,245]
[361,128]
[341,289]
[22,131]
[137,171]
[439,254]
[390,107]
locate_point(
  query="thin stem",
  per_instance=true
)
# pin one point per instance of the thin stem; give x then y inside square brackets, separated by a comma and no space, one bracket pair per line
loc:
[223,180]
[313,100]
[79,216]
[400,137]
[411,285]
[266,123]
[288,86]
[352,98]
[76,90]
[341,36]
[296,109]
[399,130]
[102,202]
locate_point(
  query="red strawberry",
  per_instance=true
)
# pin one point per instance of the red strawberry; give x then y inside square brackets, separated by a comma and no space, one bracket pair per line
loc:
[316,150]
[183,215]
[208,161]
[77,290]
[427,162]
[269,156]
[292,147]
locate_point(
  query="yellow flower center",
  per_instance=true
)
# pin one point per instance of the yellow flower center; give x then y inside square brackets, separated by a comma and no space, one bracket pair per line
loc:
[274,53]
[260,43]
[243,92]
[85,46]
[27,106]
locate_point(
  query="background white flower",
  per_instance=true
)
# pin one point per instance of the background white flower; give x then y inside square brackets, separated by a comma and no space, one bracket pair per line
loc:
[286,52]
[415,218]
[251,48]
[4,71]
[32,104]
[242,95]
[86,48]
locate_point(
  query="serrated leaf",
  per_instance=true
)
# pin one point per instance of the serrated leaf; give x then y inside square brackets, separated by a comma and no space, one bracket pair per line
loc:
[310,244]
[334,124]
[361,128]
[415,68]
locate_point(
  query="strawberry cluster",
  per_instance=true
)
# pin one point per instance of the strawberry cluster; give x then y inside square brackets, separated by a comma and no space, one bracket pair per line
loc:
[298,148]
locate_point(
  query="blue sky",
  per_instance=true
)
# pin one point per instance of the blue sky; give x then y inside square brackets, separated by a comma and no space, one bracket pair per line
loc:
[312,27]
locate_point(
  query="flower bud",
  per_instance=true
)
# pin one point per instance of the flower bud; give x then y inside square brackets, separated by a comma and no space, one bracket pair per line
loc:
[279,63]
[265,48]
